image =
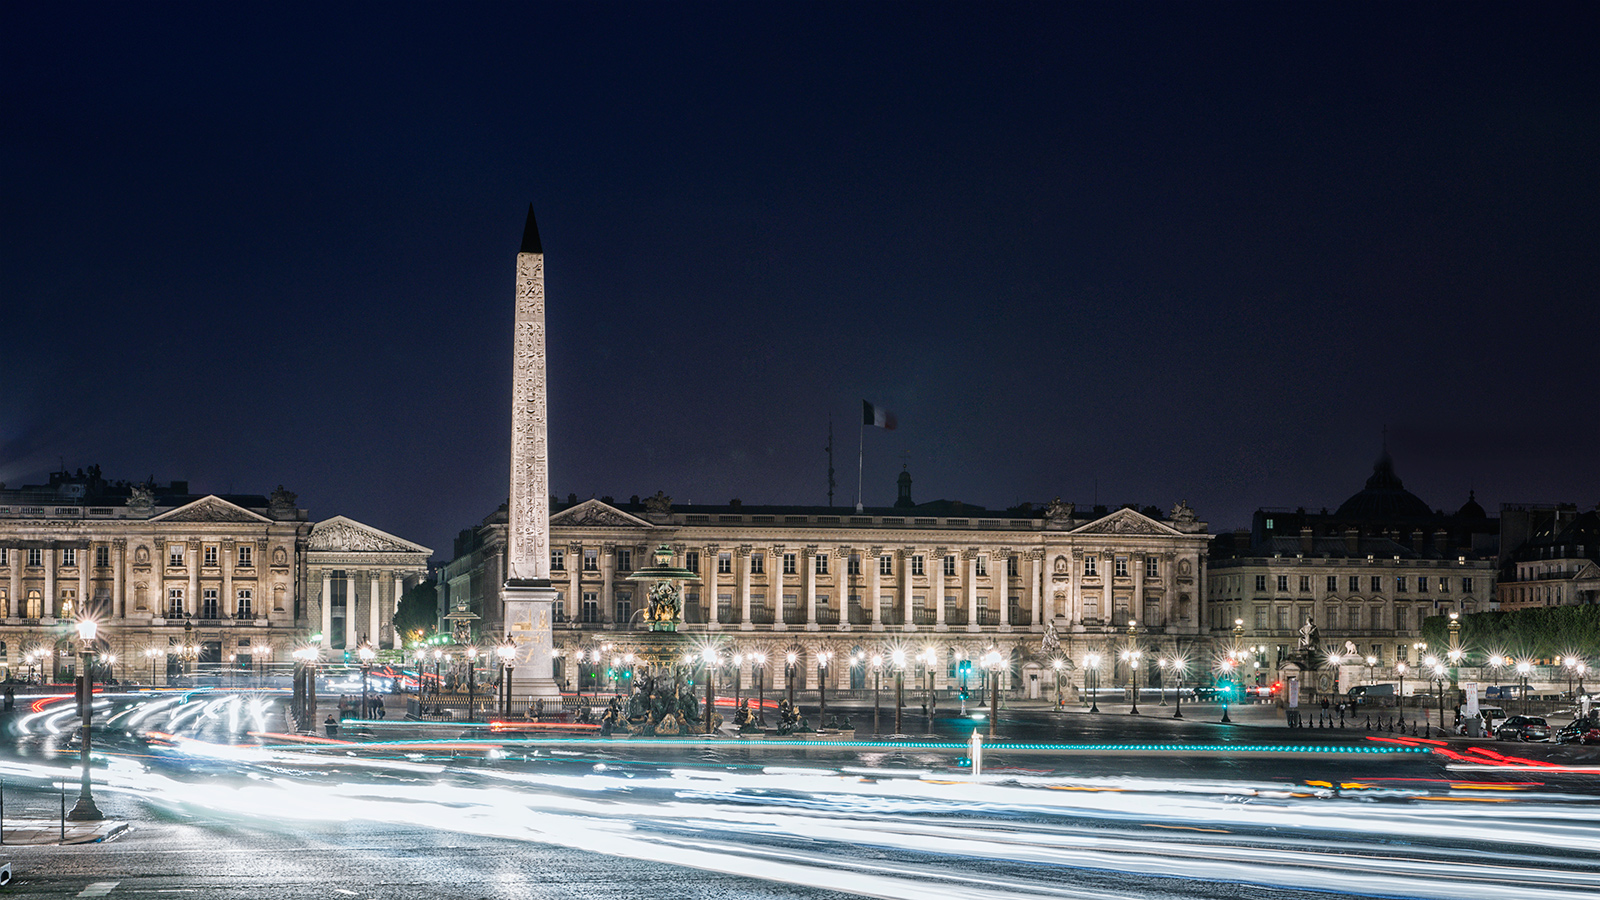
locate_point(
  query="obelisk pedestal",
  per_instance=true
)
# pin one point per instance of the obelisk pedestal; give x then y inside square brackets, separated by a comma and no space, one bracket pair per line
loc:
[528,593]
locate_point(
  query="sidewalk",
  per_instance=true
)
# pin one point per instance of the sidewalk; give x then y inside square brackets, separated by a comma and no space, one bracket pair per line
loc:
[48,831]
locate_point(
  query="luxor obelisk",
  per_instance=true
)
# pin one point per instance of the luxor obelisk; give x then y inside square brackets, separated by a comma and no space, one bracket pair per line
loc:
[528,593]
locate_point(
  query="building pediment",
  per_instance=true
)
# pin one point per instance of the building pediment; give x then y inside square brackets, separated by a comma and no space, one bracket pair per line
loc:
[596,514]
[212,509]
[1587,572]
[1127,521]
[343,535]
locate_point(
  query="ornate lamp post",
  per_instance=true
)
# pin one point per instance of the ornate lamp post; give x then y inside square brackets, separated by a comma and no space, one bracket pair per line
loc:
[1454,652]
[738,678]
[1227,670]
[507,651]
[823,659]
[1400,670]
[1178,665]
[709,657]
[1372,662]
[760,665]
[472,683]
[365,654]
[788,675]
[1440,676]
[1091,674]
[151,654]
[991,662]
[1131,659]
[898,659]
[877,685]
[261,652]
[1524,669]
[931,656]
[1056,664]
[1162,693]
[85,810]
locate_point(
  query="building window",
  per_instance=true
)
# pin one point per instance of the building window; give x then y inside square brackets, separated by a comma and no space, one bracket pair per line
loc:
[1333,583]
[174,603]
[1400,584]
[210,555]
[1283,584]
[789,564]
[758,564]
[69,556]
[558,560]
[983,566]
[1399,618]
[691,560]
[624,608]
[885,565]
[1377,583]
[624,562]
[1400,652]
[69,604]
[949,566]
[1261,618]
[1422,583]
[1283,618]
[1121,570]
[35,601]
[1355,618]
[1466,584]
[558,608]
[175,555]
[208,603]
[244,604]
[5,556]
[724,563]
[591,559]
[853,565]
[1355,583]
[246,556]
[34,557]
[916,565]
[1333,617]
[591,607]
[1261,583]
[791,603]
[1444,584]
[1089,563]
[1011,567]
[1305,584]
[1152,567]
[821,567]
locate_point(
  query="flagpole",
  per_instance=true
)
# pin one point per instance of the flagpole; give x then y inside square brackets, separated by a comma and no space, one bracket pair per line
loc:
[861,451]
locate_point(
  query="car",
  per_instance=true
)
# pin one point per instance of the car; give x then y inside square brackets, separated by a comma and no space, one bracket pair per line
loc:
[1580,731]
[1523,728]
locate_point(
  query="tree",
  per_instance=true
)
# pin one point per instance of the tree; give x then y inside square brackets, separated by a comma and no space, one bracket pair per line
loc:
[1542,633]
[418,610]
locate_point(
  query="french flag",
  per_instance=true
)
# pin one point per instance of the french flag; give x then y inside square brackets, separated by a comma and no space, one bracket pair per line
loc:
[876,416]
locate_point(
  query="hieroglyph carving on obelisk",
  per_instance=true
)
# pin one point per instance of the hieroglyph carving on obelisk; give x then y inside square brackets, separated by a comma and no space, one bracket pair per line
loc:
[529,596]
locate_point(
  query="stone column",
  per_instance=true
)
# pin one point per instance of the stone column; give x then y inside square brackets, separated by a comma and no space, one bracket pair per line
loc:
[399,591]
[971,556]
[1036,585]
[1000,578]
[374,608]
[810,576]
[84,558]
[191,559]
[119,578]
[14,608]
[1075,588]
[327,609]
[741,556]
[608,570]
[230,607]
[776,580]
[939,587]
[574,581]
[710,562]
[877,588]
[352,601]
[48,557]
[906,622]
[1136,564]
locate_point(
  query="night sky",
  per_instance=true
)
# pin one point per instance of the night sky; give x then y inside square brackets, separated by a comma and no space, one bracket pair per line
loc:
[1119,252]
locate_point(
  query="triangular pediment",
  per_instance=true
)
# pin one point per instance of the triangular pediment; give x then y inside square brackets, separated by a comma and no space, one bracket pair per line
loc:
[1587,572]
[211,509]
[344,535]
[597,514]
[1126,521]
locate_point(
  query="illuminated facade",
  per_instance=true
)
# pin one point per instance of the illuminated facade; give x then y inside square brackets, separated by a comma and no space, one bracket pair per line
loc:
[186,582]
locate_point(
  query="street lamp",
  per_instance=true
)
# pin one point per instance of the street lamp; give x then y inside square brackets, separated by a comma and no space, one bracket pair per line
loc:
[366,654]
[1091,674]
[788,676]
[877,684]
[1178,665]
[507,651]
[709,657]
[1524,669]
[1400,669]
[1439,674]
[1131,657]
[991,661]
[1372,662]
[1162,691]
[760,665]
[85,810]
[930,659]
[151,654]
[472,683]
[899,659]
[260,652]
[738,685]
[1056,664]
[1227,670]
[822,688]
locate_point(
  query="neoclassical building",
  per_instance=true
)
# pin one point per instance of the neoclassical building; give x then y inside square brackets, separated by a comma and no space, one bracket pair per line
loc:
[1367,574]
[183,581]
[1036,585]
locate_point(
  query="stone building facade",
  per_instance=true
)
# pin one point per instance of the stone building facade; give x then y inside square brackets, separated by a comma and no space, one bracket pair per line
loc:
[1558,564]
[1035,585]
[181,581]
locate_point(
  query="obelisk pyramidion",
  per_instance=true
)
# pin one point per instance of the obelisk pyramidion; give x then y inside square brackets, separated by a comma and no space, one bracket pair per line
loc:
[528,594]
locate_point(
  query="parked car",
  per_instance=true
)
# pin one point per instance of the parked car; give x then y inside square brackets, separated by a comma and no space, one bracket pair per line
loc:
[1580,731]
[1523,728]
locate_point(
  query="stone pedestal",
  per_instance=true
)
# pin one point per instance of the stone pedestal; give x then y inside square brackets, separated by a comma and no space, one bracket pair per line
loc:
[528,604]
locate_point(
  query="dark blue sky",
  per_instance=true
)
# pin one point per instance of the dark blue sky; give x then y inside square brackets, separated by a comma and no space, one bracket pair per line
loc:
[1202,251]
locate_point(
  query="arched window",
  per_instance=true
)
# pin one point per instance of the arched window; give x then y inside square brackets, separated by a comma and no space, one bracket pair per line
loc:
[35,605]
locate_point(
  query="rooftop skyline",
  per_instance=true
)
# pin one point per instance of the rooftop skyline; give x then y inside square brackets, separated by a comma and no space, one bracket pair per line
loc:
[1116,255]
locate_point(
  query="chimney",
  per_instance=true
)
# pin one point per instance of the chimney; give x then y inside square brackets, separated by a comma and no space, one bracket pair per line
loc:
[1352,540]
[1441,541]
[1305,540]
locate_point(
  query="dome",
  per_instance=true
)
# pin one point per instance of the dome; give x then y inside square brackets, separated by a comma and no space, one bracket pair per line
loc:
[1471,509]
[1384,497]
